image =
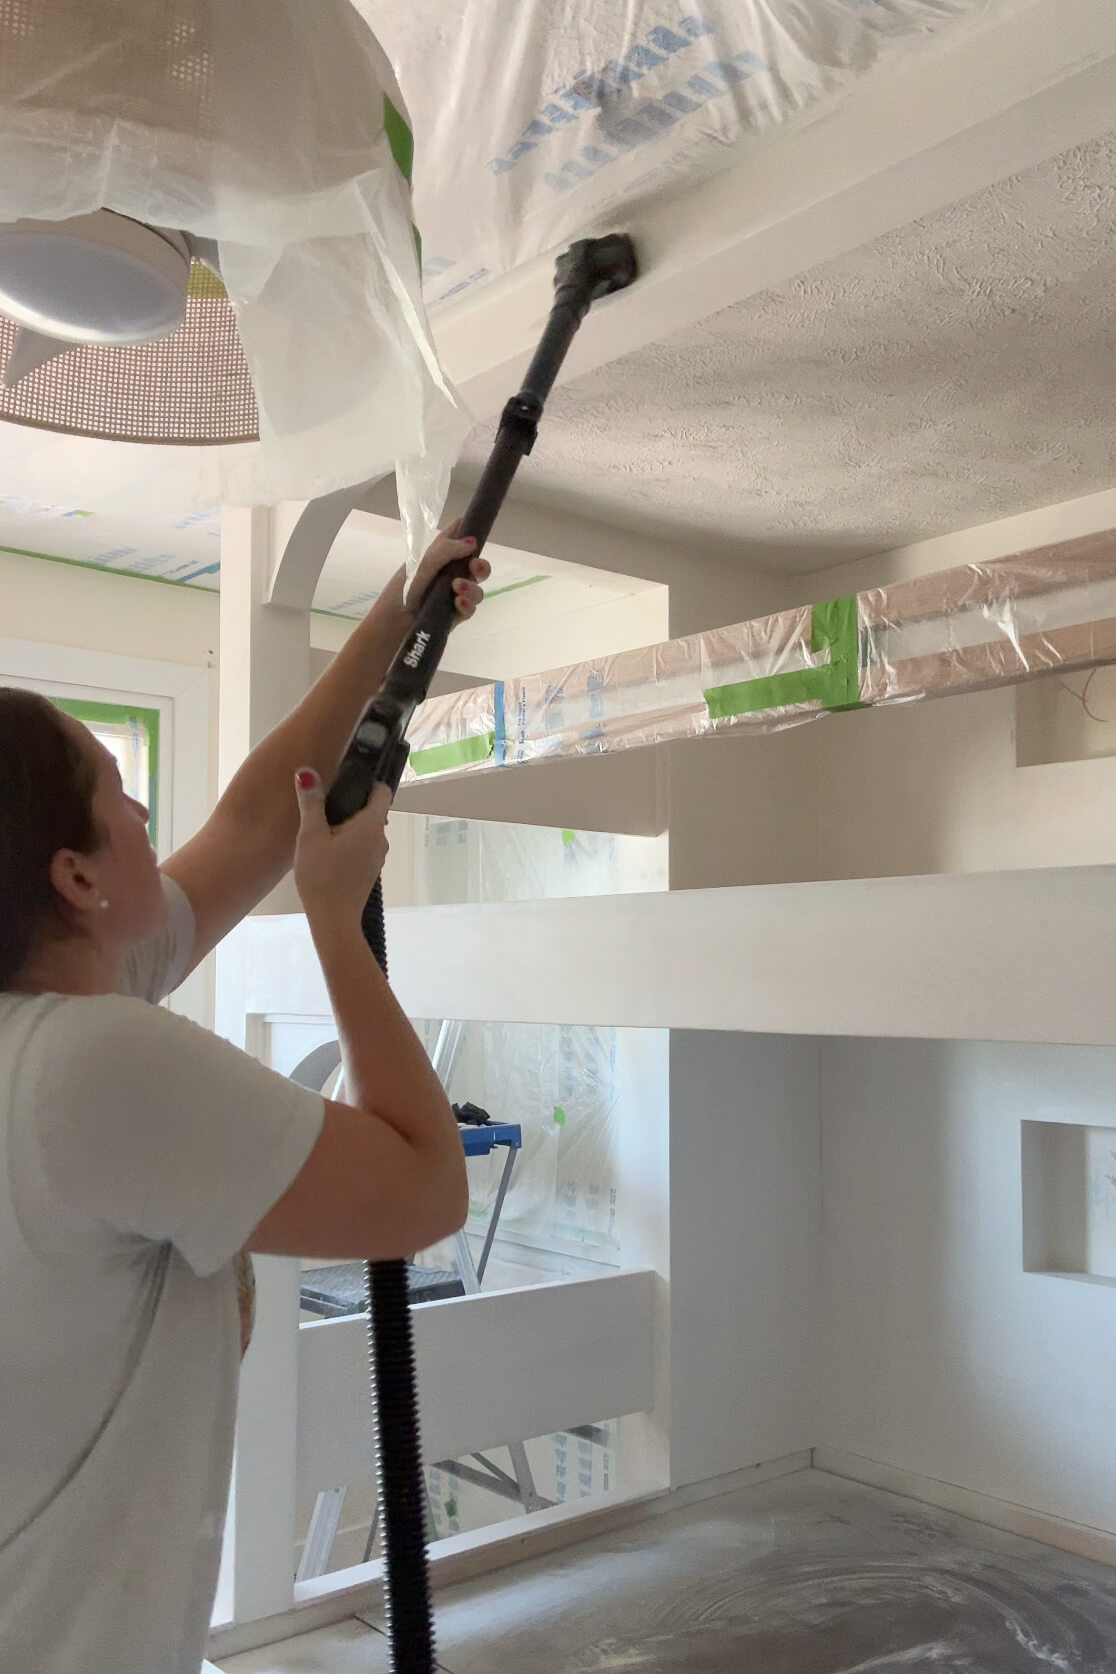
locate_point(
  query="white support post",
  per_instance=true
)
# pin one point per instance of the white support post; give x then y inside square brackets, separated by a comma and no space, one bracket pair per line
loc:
[265,648]
[265,671]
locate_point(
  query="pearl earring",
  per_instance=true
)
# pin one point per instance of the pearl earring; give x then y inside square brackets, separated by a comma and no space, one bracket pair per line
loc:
[103,904]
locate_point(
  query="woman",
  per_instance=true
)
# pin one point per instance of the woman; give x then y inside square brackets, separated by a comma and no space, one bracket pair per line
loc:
[139,1155]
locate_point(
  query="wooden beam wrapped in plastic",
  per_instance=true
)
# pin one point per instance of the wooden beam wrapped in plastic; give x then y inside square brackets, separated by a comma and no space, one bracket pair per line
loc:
[981,625]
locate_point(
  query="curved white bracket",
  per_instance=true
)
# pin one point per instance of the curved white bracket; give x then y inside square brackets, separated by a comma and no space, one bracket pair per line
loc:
[302,537]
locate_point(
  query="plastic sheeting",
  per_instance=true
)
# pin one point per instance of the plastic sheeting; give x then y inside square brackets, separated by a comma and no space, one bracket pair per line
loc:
[276,128]
[541,120]
[958,631]
[261,124]
[477,860]
[565,1467]
[570,1088]
[562,1084]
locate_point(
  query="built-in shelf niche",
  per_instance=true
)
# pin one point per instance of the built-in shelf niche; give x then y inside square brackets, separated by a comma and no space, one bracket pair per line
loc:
[1069,1200]
[1066,718]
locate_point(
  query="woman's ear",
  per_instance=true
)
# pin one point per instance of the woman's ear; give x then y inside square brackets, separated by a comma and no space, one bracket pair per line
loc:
[74,878]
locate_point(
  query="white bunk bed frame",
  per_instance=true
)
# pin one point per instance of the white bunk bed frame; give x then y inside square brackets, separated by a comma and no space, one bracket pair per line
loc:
[956,122]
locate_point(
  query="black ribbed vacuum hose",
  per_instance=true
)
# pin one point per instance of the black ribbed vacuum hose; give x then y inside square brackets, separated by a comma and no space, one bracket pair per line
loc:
[399,1475]
[591,268]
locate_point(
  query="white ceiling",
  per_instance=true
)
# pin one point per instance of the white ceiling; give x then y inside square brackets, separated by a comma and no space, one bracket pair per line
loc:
[957,371]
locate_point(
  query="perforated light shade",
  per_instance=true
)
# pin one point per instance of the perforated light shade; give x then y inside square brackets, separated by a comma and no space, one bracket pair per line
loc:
[192,388]
[275,132]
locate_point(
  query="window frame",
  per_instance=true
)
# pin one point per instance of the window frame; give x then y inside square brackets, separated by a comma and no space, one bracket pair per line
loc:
[89,712]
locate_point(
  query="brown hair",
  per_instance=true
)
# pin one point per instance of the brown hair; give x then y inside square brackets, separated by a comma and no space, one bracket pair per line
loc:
[46,804]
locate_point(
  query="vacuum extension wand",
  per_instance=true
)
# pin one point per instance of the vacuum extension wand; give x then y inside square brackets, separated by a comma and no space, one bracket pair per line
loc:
[377,754]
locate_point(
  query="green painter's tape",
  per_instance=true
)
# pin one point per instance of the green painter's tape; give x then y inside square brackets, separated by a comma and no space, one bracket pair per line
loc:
[400,138]
[441,757]
[115,714]
[834,685]
[402,142]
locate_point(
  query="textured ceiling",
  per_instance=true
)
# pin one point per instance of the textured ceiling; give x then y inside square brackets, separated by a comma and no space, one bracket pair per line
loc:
[957,371]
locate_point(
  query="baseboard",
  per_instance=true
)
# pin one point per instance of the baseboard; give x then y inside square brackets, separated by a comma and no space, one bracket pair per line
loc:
[359,1591]
[1078,1538]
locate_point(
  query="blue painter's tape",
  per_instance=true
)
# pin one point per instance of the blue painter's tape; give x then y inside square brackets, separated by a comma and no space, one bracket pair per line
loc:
[499,732]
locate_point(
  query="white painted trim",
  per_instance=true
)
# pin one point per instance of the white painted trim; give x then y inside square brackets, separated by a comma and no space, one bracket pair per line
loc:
[73,666]
[331,1598]
[1079,1538]
[180,692]
[861,957]
[109,677]
[493,1368]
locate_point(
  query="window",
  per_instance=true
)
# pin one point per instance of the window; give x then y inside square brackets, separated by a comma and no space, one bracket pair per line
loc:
[132,735]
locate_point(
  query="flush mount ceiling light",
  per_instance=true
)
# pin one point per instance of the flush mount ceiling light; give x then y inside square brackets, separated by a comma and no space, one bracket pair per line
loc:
[99,278]
[206,241]
[130,330]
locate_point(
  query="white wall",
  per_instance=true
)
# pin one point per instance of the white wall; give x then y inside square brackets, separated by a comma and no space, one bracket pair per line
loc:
[555,622]
[942,1356]
[69,604]
[936,787]
[744,1218]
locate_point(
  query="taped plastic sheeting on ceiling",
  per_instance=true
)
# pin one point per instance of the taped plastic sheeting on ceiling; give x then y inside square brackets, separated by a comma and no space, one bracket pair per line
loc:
[541,120]
[958,631]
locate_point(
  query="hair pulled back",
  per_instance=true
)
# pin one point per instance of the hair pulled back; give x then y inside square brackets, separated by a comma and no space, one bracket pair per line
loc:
[46,804]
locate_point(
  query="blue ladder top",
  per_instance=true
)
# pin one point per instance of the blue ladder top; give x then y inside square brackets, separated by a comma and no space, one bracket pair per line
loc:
[480,1142]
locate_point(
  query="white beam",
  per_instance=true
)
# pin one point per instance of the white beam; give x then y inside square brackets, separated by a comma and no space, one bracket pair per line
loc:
[988,102]
[860,957]
[491,1369]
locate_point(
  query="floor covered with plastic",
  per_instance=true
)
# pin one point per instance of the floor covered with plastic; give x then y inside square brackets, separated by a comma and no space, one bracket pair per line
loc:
[803,1575]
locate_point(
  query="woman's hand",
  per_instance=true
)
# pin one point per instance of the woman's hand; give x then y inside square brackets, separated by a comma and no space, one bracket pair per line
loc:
[336,867]
[443,549]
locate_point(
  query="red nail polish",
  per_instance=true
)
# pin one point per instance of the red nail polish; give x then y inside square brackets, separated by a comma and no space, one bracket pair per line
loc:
[305,778]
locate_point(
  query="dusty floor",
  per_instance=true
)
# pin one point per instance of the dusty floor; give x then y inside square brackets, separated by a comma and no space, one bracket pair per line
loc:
[806,1575]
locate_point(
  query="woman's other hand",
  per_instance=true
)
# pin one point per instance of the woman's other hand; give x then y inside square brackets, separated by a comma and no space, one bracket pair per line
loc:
[336,867]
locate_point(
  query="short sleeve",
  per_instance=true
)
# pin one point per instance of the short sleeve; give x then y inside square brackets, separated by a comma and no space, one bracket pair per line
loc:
[155,968]
[148,1126]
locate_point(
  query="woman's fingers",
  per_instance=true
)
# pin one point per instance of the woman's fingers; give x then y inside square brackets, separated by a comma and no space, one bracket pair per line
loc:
[467,595]
[447,548]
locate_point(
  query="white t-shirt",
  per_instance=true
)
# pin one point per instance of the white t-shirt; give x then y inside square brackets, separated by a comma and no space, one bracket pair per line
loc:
[137,1154]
